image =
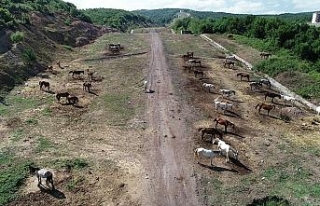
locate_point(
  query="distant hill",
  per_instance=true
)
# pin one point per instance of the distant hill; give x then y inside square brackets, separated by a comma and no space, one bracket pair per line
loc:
[117,18]
[166,15]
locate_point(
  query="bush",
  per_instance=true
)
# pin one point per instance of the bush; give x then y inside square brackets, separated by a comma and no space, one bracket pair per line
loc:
[17,37]
[29,56]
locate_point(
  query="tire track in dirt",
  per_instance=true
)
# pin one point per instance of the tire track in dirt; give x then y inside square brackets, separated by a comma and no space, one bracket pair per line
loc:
[170,173]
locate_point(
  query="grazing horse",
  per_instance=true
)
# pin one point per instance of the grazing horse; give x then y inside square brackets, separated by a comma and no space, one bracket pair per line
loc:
[265,55]
[86,86]
[228,63]
[227,92]
[255,84]
[223,122]
[265,106]
[196,73]
[243,75]
[45,84]
[72,99]
[76,72]
[271,95]
[211,131]
[266,82]
[42,173]
[62,94]
[225,148]
[289,99]
[206,85]
[195,62]
[202,152]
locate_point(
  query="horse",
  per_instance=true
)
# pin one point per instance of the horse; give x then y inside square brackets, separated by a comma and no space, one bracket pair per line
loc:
[195,62]
[90,74]
[86,86]
[271,95]
[318,110]
[189,67]
[265,55]
[223,106]
[202,152]
[229,63]
[206,85]
[211,131]
[265,106]
[243,75]
[77,72]
[255,84]
[145,85]
[196,73]
[224,147]
[266,82]
[228,92]
[42,173]
[62,94]
[289,99]
[45,84]
[223,122]
[72,99]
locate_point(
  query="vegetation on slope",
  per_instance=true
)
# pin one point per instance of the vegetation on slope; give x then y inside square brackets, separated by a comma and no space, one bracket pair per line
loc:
[117,18]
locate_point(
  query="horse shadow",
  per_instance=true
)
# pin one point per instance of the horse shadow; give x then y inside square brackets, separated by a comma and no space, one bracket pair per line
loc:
[217,169]
[54,192]
[150,91]
[235,134]
[271,116]
[239,164]
[77,106]
[91,92]
[231,113]
[49,91]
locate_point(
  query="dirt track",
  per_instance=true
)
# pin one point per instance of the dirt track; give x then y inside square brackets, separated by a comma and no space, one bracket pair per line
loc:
[170,178]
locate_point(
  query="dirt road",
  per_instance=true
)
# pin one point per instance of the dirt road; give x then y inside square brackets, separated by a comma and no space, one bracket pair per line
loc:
[170,179]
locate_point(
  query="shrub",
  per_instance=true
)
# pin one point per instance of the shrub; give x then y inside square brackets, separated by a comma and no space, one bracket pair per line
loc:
[17,37]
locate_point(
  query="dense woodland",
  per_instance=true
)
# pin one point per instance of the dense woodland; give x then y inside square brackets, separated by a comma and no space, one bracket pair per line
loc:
[117,18]
[13,12]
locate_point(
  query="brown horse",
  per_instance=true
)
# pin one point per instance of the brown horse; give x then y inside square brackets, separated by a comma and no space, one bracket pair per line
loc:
[224,122]
[211,131]
[265,55]
[62,94]
[77,72]
[265,106]
[243,75]
[44,84]
[86,86]
[228,63]
[196,73]
[271,95]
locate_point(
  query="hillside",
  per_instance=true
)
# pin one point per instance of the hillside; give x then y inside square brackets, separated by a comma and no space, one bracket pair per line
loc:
[118,19]
[33,32]
[166,15]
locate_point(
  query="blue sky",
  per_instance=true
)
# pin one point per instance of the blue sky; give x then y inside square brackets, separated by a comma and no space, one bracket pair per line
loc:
[230,6]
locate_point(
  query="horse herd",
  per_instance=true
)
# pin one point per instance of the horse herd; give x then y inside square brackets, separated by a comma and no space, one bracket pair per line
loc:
[219,103]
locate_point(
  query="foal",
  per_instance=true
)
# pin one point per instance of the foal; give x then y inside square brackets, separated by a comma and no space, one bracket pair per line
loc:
[265,106]
[211,131]
[62,94]
[223,122]
[86,86]
[45,84]
[72,99]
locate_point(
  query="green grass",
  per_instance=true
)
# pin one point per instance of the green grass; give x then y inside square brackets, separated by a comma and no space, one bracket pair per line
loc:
[73,183]
[17,104]
[17,135]
[31,121]
[44,144]
[12,175]
[77,163]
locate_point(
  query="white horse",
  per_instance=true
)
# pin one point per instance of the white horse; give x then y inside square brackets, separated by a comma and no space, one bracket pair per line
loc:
[145,85]
[206,85]
[318,110]
[289,99]
[201,152]
[266,82]
[227,92]
[225,148]
[42,173]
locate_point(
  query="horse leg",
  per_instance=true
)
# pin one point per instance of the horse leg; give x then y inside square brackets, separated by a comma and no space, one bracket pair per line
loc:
[225,128]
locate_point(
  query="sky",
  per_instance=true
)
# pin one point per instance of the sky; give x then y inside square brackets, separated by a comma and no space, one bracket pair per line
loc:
[229,6]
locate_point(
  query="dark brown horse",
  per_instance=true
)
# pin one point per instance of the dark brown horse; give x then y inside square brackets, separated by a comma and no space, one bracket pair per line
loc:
[265,55]
[228,63]
[211,131]
[224,122]
[62,94]
[271,95]
[76,72]
[243,75]
[265,106]
[86,86]
[44,84]
[196,73]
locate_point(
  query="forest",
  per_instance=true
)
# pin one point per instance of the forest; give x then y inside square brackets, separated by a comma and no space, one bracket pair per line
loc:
[117,18]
